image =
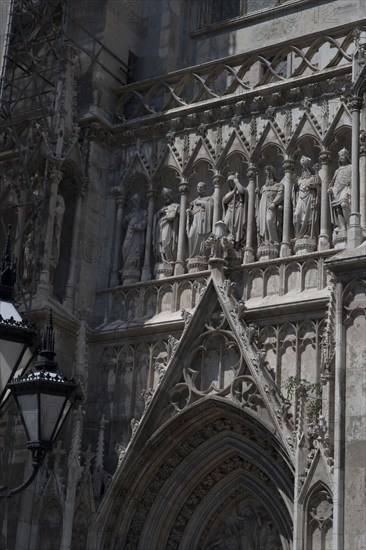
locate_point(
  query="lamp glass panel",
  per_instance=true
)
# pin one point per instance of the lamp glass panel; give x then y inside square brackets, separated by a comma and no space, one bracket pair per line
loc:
[8,311]
[51,409]
[9,355]
[65,411]
[29,407]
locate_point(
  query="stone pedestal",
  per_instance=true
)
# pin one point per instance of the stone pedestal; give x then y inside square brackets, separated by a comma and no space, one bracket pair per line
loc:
[268,251]
[354,233]
[305,245]
[340,238]
[130,276]
[196,264]
[248,255]
[323,243]
[285,250]
[163,270]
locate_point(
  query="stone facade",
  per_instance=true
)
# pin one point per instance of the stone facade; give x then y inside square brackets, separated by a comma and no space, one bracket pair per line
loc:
[186,188]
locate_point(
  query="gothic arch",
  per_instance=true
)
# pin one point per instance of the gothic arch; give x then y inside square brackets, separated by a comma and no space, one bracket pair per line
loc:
[318,518]
[238,162]
[212,451]
[50,525]
[269,154]
[166,176]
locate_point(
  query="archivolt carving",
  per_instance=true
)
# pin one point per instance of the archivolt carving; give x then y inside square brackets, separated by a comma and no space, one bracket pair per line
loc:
[181,452]
[251,539]
[247,524]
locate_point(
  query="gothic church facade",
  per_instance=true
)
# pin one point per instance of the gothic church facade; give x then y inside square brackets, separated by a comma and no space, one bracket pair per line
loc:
[186,187]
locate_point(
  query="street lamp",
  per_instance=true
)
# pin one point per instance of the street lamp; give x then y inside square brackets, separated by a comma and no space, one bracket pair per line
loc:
[43,397]
[15,334]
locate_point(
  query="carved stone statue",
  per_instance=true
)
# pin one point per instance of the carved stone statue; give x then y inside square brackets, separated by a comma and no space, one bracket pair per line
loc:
[269,214]
[29,256]
[306,201]
[165,229]
[234,214]
[340,191]
[134,243]
[199,221]
[57,228]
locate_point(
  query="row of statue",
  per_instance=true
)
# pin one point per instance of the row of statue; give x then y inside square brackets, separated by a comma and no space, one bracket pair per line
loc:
[269,203]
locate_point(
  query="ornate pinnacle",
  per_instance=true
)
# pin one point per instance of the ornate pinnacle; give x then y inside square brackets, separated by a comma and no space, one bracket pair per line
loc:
[8,270]
[46,357]
[48,340]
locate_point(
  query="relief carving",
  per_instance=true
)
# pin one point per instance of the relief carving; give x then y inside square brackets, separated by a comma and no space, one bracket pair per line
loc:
[249,526]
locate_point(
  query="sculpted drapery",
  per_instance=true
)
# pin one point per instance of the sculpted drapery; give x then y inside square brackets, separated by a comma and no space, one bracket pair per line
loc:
[57,228]
[134,243]
[199,221]
[165,229]
[306,201]
[270,208]
[340,191]
[234,210]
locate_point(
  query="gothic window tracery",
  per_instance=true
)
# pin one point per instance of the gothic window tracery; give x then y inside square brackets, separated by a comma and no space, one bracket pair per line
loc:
[319,519]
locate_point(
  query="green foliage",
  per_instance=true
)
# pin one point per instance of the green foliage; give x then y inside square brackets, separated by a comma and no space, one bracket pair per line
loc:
[314,406]
[291,385]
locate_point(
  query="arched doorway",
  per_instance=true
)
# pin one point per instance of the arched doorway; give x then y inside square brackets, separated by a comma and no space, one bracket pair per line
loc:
[213,472]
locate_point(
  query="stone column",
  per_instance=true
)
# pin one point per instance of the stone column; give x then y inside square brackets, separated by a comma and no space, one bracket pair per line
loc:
[289,167]
[74,255]
[339,400]
[324,236]
[184,188]
[121,203]
[74,472]
[45,286]
[249,244]
[146,270]
[363,181]
[354,233]
[19,230]
[217,179]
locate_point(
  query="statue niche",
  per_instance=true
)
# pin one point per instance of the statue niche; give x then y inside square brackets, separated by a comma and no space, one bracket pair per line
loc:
[340,198]
[199,227]
[270,216]
[134,243]
[165,235]
[306,208]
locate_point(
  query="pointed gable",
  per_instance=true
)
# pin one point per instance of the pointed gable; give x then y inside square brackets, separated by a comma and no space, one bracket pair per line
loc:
[215,358]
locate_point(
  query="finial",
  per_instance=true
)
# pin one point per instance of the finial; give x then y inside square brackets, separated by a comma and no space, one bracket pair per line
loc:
[48,341]
[46,357]
[8,270]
